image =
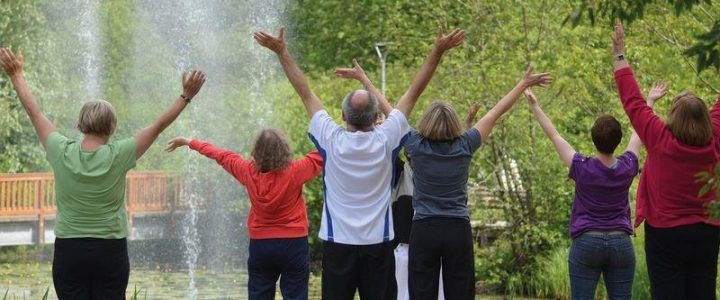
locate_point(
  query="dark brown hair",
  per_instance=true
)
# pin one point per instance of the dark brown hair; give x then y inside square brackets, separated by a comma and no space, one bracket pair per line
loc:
[606,134]
[271,151]
[689,120]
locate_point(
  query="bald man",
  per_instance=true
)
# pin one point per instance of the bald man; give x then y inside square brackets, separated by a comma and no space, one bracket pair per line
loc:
[357,227]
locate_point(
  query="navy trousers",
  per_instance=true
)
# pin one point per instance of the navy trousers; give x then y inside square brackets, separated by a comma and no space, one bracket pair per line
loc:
[287,259]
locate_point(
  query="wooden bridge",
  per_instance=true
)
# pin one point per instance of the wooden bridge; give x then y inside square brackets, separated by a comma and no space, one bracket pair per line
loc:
[30,198]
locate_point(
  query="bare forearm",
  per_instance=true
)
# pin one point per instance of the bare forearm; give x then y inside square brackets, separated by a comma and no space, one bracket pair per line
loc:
[43,126]
[299,82]
[487,122]
[545,122]
[146,136]
[170,114]
[621,64]
[420,82]
[384,104]
[469,121]
[563,148]
[634,144]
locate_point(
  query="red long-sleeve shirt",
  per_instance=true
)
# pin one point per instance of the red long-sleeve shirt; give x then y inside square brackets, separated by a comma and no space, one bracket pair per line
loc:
[277,204]
[667,194]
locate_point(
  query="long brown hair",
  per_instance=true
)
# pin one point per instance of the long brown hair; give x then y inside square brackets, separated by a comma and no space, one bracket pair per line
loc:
[689,120]
[440,122]
[271,151]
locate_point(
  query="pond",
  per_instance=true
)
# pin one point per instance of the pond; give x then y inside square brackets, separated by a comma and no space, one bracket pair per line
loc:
[31,280]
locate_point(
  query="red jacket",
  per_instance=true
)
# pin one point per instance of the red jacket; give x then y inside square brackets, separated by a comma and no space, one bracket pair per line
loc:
[277,204]
[667,194]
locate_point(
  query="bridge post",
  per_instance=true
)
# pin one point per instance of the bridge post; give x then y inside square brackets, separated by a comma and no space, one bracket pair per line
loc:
[129,204]
[39,195]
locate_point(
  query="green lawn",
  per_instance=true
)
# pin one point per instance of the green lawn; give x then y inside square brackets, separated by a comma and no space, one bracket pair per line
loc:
[29,281]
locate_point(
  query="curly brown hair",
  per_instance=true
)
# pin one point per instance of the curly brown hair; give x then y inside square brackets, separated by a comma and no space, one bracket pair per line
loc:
[271,151]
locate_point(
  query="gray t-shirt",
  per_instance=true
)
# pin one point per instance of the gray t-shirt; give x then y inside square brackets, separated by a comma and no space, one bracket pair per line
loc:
[441,174]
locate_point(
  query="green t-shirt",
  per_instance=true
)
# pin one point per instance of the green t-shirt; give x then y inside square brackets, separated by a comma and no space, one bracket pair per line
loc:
[90,187]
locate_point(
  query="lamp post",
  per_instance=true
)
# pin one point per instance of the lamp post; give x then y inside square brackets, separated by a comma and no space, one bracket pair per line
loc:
[379,46]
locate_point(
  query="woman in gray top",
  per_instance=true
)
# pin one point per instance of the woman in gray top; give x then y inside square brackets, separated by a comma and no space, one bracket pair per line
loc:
[441,155]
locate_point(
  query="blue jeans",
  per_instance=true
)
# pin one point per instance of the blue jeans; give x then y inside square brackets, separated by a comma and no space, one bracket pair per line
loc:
[610,255]
[288,259]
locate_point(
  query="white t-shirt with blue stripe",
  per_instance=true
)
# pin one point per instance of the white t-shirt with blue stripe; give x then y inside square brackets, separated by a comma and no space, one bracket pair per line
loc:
[358,168]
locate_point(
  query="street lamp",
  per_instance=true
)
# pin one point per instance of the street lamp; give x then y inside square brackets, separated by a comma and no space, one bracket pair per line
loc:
[379,47]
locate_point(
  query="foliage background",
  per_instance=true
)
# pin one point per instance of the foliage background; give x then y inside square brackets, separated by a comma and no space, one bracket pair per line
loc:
[517,165]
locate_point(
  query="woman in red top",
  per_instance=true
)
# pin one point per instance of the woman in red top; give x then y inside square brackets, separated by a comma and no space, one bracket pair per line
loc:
[277,223]
[681,243]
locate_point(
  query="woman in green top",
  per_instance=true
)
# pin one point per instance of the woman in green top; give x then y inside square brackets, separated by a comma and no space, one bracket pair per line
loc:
[91,259]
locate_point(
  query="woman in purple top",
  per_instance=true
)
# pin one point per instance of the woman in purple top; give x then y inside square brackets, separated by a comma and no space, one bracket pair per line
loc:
[600,225]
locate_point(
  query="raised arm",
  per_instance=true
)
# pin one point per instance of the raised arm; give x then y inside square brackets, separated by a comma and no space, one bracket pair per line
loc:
[563,148]
[357,73]
[472,112]
[223,157]
[715,117]
[657,91]
[292,71]
[232,162]
[618,49]
[12,64]
[192,83]
[487,122]
[422,78]
[643,119]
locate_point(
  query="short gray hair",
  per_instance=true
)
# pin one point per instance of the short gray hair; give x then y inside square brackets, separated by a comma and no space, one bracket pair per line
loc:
[361,118]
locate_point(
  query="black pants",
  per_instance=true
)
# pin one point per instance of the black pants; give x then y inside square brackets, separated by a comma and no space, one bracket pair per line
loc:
[446,241]
[682,261]
[368,268]
[88,268]
[270,259]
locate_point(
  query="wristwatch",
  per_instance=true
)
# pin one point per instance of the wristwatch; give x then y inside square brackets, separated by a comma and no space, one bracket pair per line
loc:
[619,56]
[186,98]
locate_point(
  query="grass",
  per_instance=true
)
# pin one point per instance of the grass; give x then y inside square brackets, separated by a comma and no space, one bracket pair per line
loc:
[29,281]
[44,297]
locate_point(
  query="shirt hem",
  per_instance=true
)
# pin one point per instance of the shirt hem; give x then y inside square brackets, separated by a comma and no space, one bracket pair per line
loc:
[277,234]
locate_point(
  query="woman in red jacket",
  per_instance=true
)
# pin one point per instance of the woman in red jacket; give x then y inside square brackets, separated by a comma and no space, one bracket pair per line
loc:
[277,222]
[681,242]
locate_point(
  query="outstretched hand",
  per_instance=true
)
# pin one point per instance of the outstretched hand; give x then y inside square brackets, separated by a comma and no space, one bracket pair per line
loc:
[448,41]
[536,79]
[530,96]
[356,72]
[177,143]
[192,82]
[11,63]
[618,40]
[274,43]
[658,90]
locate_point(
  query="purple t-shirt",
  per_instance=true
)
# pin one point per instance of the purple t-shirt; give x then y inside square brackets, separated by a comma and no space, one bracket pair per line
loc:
[601,199]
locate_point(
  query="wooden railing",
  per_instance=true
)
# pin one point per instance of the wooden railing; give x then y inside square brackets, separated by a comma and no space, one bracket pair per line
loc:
[31,196]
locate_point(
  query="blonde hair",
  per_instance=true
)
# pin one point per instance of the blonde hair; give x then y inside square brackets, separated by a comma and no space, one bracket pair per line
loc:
[440,122]
[689,120]
[97,117]
[271,151]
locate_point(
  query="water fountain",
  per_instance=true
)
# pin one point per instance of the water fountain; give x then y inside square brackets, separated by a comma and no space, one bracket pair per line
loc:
[214,36]
[167,37]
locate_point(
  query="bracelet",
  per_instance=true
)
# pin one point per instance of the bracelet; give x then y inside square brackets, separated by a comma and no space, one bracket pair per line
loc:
[186,98]
[619,56]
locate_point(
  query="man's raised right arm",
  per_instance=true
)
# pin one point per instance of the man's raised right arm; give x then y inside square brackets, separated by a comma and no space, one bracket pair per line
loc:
[292,71]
